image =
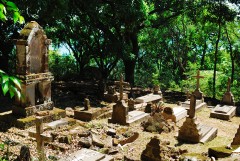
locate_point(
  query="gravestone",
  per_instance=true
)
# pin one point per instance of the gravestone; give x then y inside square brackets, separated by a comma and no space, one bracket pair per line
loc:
[156,90]
[149,98]
[32,69]
[168,114]
[131,104]
[25,154]
[40,138]
[227,109]
[87,155]
[112,96]
[194,132]
[152,151]
[236,139]
[199,96]
[89,113]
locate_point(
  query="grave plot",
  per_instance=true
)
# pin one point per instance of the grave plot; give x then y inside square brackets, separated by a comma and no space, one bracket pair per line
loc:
[227,109]
[89,113]
[192,130]
[199,96]
[112,95]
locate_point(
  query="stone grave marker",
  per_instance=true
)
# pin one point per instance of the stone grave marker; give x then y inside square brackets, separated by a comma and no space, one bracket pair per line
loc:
[112,96]
[87,155]
[40,138]
[32,70]
[152,151]
[236,139]
[131,104]
[199,96]
[89,113]
[192,130]
[227,109]
[178,113]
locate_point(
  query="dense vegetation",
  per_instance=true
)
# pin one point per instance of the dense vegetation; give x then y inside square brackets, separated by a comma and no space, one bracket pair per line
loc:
[151,42]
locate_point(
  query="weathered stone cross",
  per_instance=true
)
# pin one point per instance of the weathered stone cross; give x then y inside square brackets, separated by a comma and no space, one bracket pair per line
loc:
[198,77]
[40,138]
[121,83]
[229,84]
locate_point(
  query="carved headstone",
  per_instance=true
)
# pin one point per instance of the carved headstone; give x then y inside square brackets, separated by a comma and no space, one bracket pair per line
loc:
[228,98]
[32,70]
[119,114]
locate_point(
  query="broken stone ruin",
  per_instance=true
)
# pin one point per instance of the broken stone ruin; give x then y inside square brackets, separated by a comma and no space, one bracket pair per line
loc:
[227,109]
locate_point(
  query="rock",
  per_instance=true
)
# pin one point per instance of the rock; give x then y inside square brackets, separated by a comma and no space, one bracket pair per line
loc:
[97,141]
[25,154]
[85,142]
[65,139]
[111,132]
[84,133]
[115,141]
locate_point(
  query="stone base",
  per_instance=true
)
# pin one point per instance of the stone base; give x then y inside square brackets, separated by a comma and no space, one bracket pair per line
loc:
[180,113]
[114,97]
[224,116]
[148,98]
[89,115]
[87,155]
[28,111]
[23,123]
[133,117]
[199,105]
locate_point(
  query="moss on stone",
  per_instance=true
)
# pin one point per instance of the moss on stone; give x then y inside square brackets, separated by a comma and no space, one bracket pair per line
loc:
[196,155]
[221,152]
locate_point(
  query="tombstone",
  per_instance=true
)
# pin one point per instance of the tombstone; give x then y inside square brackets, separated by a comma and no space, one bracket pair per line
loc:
[194,132]
[236,139]
[227,109]
[131,104]
[87,104]
[40,138]
[168,114]
[154,98]
[156,90]
[89,113]
[87,155]
[152,151]
[120,114]
[32,70]
[199,96]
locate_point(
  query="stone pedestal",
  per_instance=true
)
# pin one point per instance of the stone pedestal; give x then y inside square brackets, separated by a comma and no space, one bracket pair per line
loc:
[148,98]
[32,70]
[194,132]
[223,112]
[90,114]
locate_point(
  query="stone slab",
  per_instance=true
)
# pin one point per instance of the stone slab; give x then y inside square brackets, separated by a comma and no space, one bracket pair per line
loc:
[148,98]
[230,111]
[208,133]
[61,122]
[137,116]
[199,105]
[140,106]
[179,112]
[87,155]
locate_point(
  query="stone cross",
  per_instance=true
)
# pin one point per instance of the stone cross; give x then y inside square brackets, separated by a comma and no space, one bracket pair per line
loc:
[229,84]
[198,77]
[192,106]
[121,83]
[40,138]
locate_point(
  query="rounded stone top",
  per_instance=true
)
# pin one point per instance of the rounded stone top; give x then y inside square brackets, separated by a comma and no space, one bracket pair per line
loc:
[25,32]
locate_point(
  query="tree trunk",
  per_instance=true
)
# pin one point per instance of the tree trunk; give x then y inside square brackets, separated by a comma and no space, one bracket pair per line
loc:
[203,56]
[215,60]
[129,71]
[231,55]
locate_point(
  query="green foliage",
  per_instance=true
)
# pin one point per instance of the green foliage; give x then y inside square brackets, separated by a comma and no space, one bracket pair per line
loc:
[10,84]
[7,7]
[62,66]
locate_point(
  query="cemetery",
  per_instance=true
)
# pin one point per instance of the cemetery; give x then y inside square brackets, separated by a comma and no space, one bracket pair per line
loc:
[128,88]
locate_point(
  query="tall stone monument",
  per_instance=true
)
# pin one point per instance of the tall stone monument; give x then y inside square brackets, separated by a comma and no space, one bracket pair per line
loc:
[32,69]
